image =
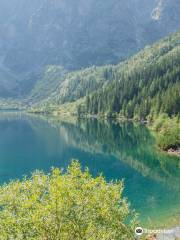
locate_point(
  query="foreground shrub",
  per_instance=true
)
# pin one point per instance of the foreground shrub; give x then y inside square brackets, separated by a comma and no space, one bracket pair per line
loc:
[168,132]
[66,206]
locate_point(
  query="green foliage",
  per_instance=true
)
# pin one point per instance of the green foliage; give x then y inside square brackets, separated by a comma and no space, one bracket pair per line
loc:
[65,206]
[98,32]
[131,142]
[167,132]
[146,85]
[79,84]
[48,83]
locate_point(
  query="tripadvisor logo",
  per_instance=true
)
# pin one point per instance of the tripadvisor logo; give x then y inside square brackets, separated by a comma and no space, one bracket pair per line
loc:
[139,231]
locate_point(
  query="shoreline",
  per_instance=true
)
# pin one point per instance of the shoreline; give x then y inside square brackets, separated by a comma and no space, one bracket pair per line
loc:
[170,151]
[173,152]
[173,227]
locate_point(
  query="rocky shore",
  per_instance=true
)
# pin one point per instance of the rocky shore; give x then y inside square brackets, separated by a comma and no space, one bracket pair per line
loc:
[174,151]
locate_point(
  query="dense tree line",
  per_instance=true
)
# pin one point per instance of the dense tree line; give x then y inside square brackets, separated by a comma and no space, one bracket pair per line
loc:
[167,132]
[79,84]
[146,85]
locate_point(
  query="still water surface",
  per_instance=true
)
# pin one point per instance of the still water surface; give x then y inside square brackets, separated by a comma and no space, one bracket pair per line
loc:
[119,151]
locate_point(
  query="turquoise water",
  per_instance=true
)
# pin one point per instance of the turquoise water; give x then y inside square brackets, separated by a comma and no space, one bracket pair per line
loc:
[119,151]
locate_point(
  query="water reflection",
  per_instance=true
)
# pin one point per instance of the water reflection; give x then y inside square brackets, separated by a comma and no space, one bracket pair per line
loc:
[118,151]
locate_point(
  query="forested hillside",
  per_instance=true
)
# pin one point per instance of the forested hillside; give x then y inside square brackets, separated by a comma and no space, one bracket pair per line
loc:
[147,84]
[47,84]
[75,35]
[76,84]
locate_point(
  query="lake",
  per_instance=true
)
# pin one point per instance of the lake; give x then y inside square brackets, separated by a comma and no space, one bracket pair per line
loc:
[118,151]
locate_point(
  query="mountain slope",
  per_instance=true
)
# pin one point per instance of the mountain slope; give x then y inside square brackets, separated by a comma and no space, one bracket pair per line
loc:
[8,83]
[147,83]
[77,34]
[47,84]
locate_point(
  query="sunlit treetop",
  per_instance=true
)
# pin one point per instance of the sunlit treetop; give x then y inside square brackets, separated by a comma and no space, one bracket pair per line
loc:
[66,206]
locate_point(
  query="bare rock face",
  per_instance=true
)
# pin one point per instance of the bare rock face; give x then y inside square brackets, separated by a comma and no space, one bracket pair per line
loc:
[76,34]
[165,18]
